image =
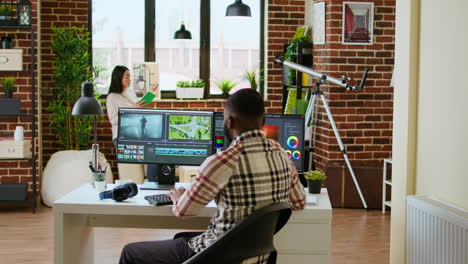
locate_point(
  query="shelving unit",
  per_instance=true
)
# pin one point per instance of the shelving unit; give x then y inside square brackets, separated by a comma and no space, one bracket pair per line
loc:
[386,181]
[32,115]
[304,57]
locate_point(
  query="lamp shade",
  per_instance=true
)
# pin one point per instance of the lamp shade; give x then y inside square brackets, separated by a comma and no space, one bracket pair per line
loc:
[87,104]
[238,9]
[182,33]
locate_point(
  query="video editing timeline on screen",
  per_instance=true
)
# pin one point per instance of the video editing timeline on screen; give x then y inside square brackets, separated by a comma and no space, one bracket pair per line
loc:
[164,136]
[288,130]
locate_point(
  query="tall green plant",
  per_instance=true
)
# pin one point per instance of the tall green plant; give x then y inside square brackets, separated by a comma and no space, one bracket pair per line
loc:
[71,68]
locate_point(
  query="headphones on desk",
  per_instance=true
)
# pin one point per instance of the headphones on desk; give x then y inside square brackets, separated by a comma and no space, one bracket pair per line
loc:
[121,192]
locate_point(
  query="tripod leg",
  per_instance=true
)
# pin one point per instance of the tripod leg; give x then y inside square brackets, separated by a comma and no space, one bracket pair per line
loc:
[310,111]
[342,148]
[309,121]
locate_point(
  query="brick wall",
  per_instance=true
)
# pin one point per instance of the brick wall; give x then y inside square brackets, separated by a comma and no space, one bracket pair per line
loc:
[284,16]
[20,171]
[364,118]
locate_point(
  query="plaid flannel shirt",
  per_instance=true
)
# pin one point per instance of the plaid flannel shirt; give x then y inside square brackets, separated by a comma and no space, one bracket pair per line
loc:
[252,173]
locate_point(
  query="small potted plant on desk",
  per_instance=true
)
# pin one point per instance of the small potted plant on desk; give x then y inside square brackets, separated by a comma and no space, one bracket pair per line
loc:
[99,181]
[190,89]
[8,84]
[225,86]
[314,180]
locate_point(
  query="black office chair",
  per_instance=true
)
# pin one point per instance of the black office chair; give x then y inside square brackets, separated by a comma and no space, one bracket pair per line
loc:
[250,238]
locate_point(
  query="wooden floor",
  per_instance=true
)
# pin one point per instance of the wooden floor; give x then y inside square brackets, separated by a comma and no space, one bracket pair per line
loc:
[358,236]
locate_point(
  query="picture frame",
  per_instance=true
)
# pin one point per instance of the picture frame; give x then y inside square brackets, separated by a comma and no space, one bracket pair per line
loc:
[358,23]
[319,23]
[145,77]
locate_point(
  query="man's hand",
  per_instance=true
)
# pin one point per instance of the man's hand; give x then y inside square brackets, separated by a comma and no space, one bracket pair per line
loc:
[174,194]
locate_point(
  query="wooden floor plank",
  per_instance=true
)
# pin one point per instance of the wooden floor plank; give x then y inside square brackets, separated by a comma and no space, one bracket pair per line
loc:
[358,236]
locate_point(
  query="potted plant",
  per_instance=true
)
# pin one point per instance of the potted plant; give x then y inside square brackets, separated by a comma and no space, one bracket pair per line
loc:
[190,89]
[225,86]
[99,181]
[6,10]
[314,180]
[254,77]
[291,53]
[8,84]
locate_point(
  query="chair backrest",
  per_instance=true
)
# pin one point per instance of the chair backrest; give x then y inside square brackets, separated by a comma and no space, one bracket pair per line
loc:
[251,237]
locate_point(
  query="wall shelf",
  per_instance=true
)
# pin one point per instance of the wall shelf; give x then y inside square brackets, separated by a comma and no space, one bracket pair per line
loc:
[32,115]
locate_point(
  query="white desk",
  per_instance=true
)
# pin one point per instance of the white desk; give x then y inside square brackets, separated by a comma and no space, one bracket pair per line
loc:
[306,237]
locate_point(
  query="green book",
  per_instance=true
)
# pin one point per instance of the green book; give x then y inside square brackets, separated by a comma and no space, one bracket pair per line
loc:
[147,98]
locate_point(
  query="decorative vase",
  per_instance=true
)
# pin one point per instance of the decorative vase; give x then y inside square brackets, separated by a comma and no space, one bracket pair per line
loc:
[19,134]
[100,186]
[315,186]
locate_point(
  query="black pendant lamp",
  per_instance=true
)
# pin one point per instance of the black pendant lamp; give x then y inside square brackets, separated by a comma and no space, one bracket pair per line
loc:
[238,9]
[182,33]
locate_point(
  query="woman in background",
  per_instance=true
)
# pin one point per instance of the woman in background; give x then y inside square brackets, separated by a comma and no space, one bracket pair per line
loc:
[120,96]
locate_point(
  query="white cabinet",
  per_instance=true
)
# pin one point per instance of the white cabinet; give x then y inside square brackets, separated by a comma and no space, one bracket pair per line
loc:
[306,238]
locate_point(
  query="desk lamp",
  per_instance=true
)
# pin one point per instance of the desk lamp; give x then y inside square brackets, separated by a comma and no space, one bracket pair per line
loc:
[88,105]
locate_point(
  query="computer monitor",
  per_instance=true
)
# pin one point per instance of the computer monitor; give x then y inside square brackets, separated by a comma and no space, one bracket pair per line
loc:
[166,137]
[287,130]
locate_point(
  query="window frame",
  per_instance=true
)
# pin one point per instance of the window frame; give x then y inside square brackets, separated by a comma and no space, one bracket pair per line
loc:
[205,43]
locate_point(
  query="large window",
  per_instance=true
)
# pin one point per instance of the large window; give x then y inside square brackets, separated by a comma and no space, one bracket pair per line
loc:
[117,36]
[221,47]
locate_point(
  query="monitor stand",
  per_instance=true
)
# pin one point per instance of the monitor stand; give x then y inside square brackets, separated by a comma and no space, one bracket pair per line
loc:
[166,180]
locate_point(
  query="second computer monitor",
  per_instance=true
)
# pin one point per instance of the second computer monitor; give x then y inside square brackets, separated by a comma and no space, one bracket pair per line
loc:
[164,136]
[287,130]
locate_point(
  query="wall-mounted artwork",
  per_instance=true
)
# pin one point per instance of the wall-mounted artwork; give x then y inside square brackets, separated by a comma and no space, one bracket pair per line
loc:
[145,77]
[358,23]
[319,23]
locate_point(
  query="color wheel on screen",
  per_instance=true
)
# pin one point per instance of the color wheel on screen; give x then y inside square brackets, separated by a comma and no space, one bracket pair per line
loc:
[296,155]
[292,142]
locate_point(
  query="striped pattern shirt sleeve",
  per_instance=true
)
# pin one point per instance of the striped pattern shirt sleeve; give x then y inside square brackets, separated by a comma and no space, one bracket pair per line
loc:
[297,196]
[212,177]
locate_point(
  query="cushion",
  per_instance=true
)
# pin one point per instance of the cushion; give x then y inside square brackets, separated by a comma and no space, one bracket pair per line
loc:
[66,171]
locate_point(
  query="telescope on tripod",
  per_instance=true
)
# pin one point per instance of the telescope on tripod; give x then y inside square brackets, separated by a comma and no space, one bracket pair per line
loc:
[310,115]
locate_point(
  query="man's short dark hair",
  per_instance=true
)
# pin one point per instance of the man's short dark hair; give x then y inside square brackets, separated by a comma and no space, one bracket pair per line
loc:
[246,104]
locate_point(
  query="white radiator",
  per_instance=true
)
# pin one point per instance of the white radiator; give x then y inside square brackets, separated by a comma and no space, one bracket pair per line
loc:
[437,233]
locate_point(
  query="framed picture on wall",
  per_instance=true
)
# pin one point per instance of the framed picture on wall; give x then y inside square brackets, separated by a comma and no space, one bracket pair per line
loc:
[319,23]
[145,78]
[358,23]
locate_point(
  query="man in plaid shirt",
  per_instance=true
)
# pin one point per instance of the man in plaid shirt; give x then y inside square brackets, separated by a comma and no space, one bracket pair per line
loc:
[252,173]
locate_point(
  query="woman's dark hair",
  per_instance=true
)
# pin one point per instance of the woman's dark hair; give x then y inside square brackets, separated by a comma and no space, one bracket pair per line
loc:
[116,80]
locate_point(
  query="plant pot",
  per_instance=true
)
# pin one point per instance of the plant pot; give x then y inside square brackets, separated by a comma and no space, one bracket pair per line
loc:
[225,95]
[315,186]
[100,186]
[7,21]
[8,93]
[193,92]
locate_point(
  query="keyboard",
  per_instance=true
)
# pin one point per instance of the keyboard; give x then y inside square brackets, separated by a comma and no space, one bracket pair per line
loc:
[158,199]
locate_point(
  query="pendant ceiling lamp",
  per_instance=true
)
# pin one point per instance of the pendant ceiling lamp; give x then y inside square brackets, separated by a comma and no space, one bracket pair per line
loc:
[238,9]
[182,33]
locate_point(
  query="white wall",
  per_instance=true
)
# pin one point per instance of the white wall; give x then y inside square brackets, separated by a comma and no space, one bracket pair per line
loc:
[442,157]
[430,109]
